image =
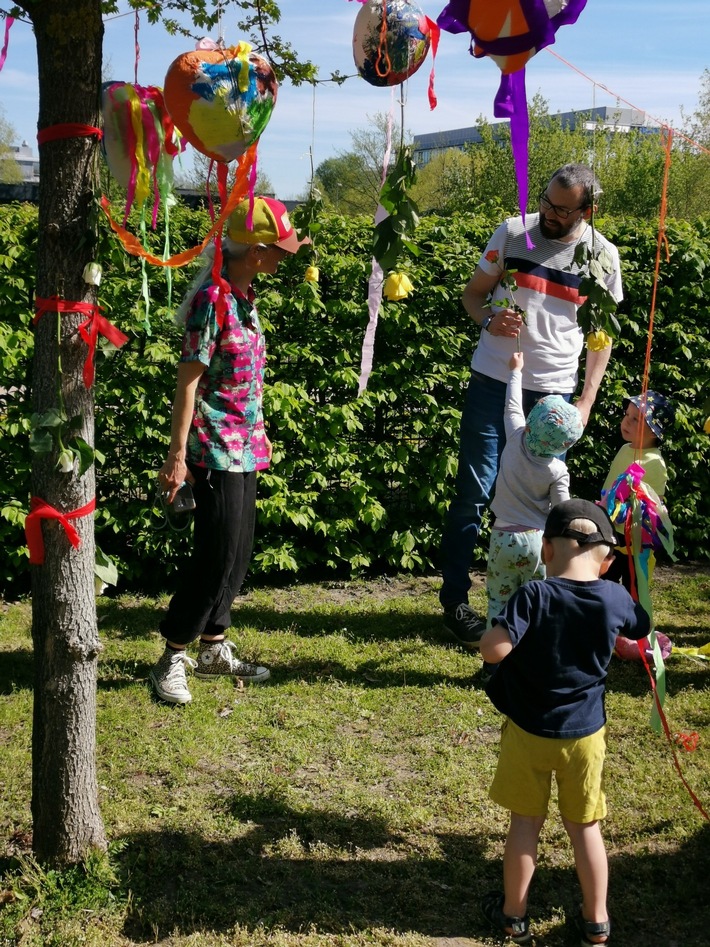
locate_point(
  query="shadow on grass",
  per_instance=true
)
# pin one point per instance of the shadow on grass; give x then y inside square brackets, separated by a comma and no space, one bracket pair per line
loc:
[140,620]
[296,871]
[369,674]
[16,671]
[128,620]
[334,874]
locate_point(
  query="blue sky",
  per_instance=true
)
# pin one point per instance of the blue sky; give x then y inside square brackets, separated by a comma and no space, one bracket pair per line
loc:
[651,53]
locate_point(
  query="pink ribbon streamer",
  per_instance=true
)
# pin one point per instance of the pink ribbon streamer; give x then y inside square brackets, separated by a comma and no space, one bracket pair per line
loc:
[374,298]
[9,20]
[434,32]
[377,277]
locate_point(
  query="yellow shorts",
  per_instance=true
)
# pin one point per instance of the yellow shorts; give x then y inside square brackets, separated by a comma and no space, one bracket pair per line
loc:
[523,778]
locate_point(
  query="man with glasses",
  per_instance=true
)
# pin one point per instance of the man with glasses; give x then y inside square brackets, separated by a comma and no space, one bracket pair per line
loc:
[540,316]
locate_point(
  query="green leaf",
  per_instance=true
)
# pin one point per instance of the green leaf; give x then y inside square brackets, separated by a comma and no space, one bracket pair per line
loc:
[41,442]
[85,452]
[105,568]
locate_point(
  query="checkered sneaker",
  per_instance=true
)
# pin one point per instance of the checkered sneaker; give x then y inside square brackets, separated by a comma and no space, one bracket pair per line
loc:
[217,657]
[169,678]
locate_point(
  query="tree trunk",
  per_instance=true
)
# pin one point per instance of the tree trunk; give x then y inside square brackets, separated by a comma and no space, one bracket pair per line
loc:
[65,811]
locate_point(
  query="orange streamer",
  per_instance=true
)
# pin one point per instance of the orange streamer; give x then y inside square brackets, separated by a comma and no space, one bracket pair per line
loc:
[133,245]
[383,64]
[620,98]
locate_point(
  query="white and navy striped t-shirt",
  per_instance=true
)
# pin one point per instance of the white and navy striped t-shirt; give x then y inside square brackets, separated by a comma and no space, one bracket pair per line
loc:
[548,291]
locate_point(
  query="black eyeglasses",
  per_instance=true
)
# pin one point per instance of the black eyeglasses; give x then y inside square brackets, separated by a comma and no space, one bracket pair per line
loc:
[560,212]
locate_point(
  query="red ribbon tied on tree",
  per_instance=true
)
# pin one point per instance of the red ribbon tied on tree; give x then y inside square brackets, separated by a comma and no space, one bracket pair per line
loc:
[41,510]
[89,330]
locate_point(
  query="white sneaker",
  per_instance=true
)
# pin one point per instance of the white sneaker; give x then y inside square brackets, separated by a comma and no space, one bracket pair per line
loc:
[168,676]
[216,657]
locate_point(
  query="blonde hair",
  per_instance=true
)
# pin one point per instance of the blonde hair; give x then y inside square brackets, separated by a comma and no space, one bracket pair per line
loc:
[231,251]
[597,552]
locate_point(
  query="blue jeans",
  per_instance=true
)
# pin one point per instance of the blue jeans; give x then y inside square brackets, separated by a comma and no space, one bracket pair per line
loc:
[482,440]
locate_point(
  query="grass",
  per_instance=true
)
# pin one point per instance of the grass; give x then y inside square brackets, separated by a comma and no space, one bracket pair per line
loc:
[343,802]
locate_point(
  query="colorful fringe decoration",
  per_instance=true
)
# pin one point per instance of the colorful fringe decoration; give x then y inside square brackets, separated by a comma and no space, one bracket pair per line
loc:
[636,507]
[140,143]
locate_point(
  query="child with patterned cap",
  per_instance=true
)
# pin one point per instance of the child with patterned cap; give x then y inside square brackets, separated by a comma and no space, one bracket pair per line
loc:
[646,419]
[532,478]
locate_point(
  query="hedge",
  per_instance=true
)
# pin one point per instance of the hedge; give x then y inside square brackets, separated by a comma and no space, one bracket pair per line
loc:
[358,483]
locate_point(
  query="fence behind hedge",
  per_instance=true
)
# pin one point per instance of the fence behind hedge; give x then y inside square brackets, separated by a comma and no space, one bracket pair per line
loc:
[357,483]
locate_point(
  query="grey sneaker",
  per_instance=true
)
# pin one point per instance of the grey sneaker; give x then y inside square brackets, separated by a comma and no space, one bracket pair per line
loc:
[465,625]
[168,676]
[217,657]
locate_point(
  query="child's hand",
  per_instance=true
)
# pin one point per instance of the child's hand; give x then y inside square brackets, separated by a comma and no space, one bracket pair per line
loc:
[516,361]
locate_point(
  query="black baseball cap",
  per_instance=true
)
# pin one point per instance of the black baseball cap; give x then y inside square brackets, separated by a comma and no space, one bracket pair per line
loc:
[560,516]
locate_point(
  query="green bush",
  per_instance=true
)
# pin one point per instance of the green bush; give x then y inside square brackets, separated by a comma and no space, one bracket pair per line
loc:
[357,483]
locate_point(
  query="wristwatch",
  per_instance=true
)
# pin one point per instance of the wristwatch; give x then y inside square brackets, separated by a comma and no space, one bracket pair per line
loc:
[486,322]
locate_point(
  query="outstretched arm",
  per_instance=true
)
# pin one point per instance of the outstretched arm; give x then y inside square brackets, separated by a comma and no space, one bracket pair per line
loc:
[594,369]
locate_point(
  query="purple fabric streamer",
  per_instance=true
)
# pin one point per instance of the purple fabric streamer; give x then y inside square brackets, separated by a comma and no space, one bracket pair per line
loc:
[511,102]
[9,20]
[454,17]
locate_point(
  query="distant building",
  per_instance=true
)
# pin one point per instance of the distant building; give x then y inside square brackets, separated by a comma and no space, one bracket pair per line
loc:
[29,165]
[621,120]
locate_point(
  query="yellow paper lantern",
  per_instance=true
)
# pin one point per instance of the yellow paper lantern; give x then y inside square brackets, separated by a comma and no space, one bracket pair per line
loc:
[397,286]
[598,341]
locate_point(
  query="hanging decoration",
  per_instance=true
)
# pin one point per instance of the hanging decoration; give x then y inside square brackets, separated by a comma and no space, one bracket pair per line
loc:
[510,32]
[140,143]
[9,20]
[636,507]
[132,244]
[397,286]
[391,39]
[221,98]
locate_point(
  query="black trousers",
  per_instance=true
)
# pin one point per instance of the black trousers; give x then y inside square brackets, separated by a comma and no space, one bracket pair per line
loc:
[225,514]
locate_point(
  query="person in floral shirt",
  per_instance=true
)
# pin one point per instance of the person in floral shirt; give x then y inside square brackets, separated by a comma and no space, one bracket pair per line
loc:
[218,444]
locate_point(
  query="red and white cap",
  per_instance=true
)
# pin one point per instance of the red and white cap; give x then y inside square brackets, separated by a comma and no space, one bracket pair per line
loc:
[270,225]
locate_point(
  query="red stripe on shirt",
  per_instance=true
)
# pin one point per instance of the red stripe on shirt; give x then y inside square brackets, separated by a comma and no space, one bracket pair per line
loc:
[548,288]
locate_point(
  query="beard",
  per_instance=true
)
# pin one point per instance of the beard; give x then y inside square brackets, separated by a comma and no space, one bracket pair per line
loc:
[556,229]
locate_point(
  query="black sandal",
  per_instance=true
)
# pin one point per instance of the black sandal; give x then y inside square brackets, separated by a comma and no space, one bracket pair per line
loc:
[516,928]
[593,929]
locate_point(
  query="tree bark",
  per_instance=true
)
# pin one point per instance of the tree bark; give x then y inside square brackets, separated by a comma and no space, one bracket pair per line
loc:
[65,810]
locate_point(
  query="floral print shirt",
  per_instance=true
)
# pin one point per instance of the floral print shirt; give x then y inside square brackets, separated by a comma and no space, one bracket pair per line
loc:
[227,431]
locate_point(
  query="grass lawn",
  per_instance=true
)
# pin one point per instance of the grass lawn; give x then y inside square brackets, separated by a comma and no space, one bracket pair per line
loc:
[344,801]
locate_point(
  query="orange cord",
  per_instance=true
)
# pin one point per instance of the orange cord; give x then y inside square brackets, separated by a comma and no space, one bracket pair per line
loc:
[383,55]
[620,98]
